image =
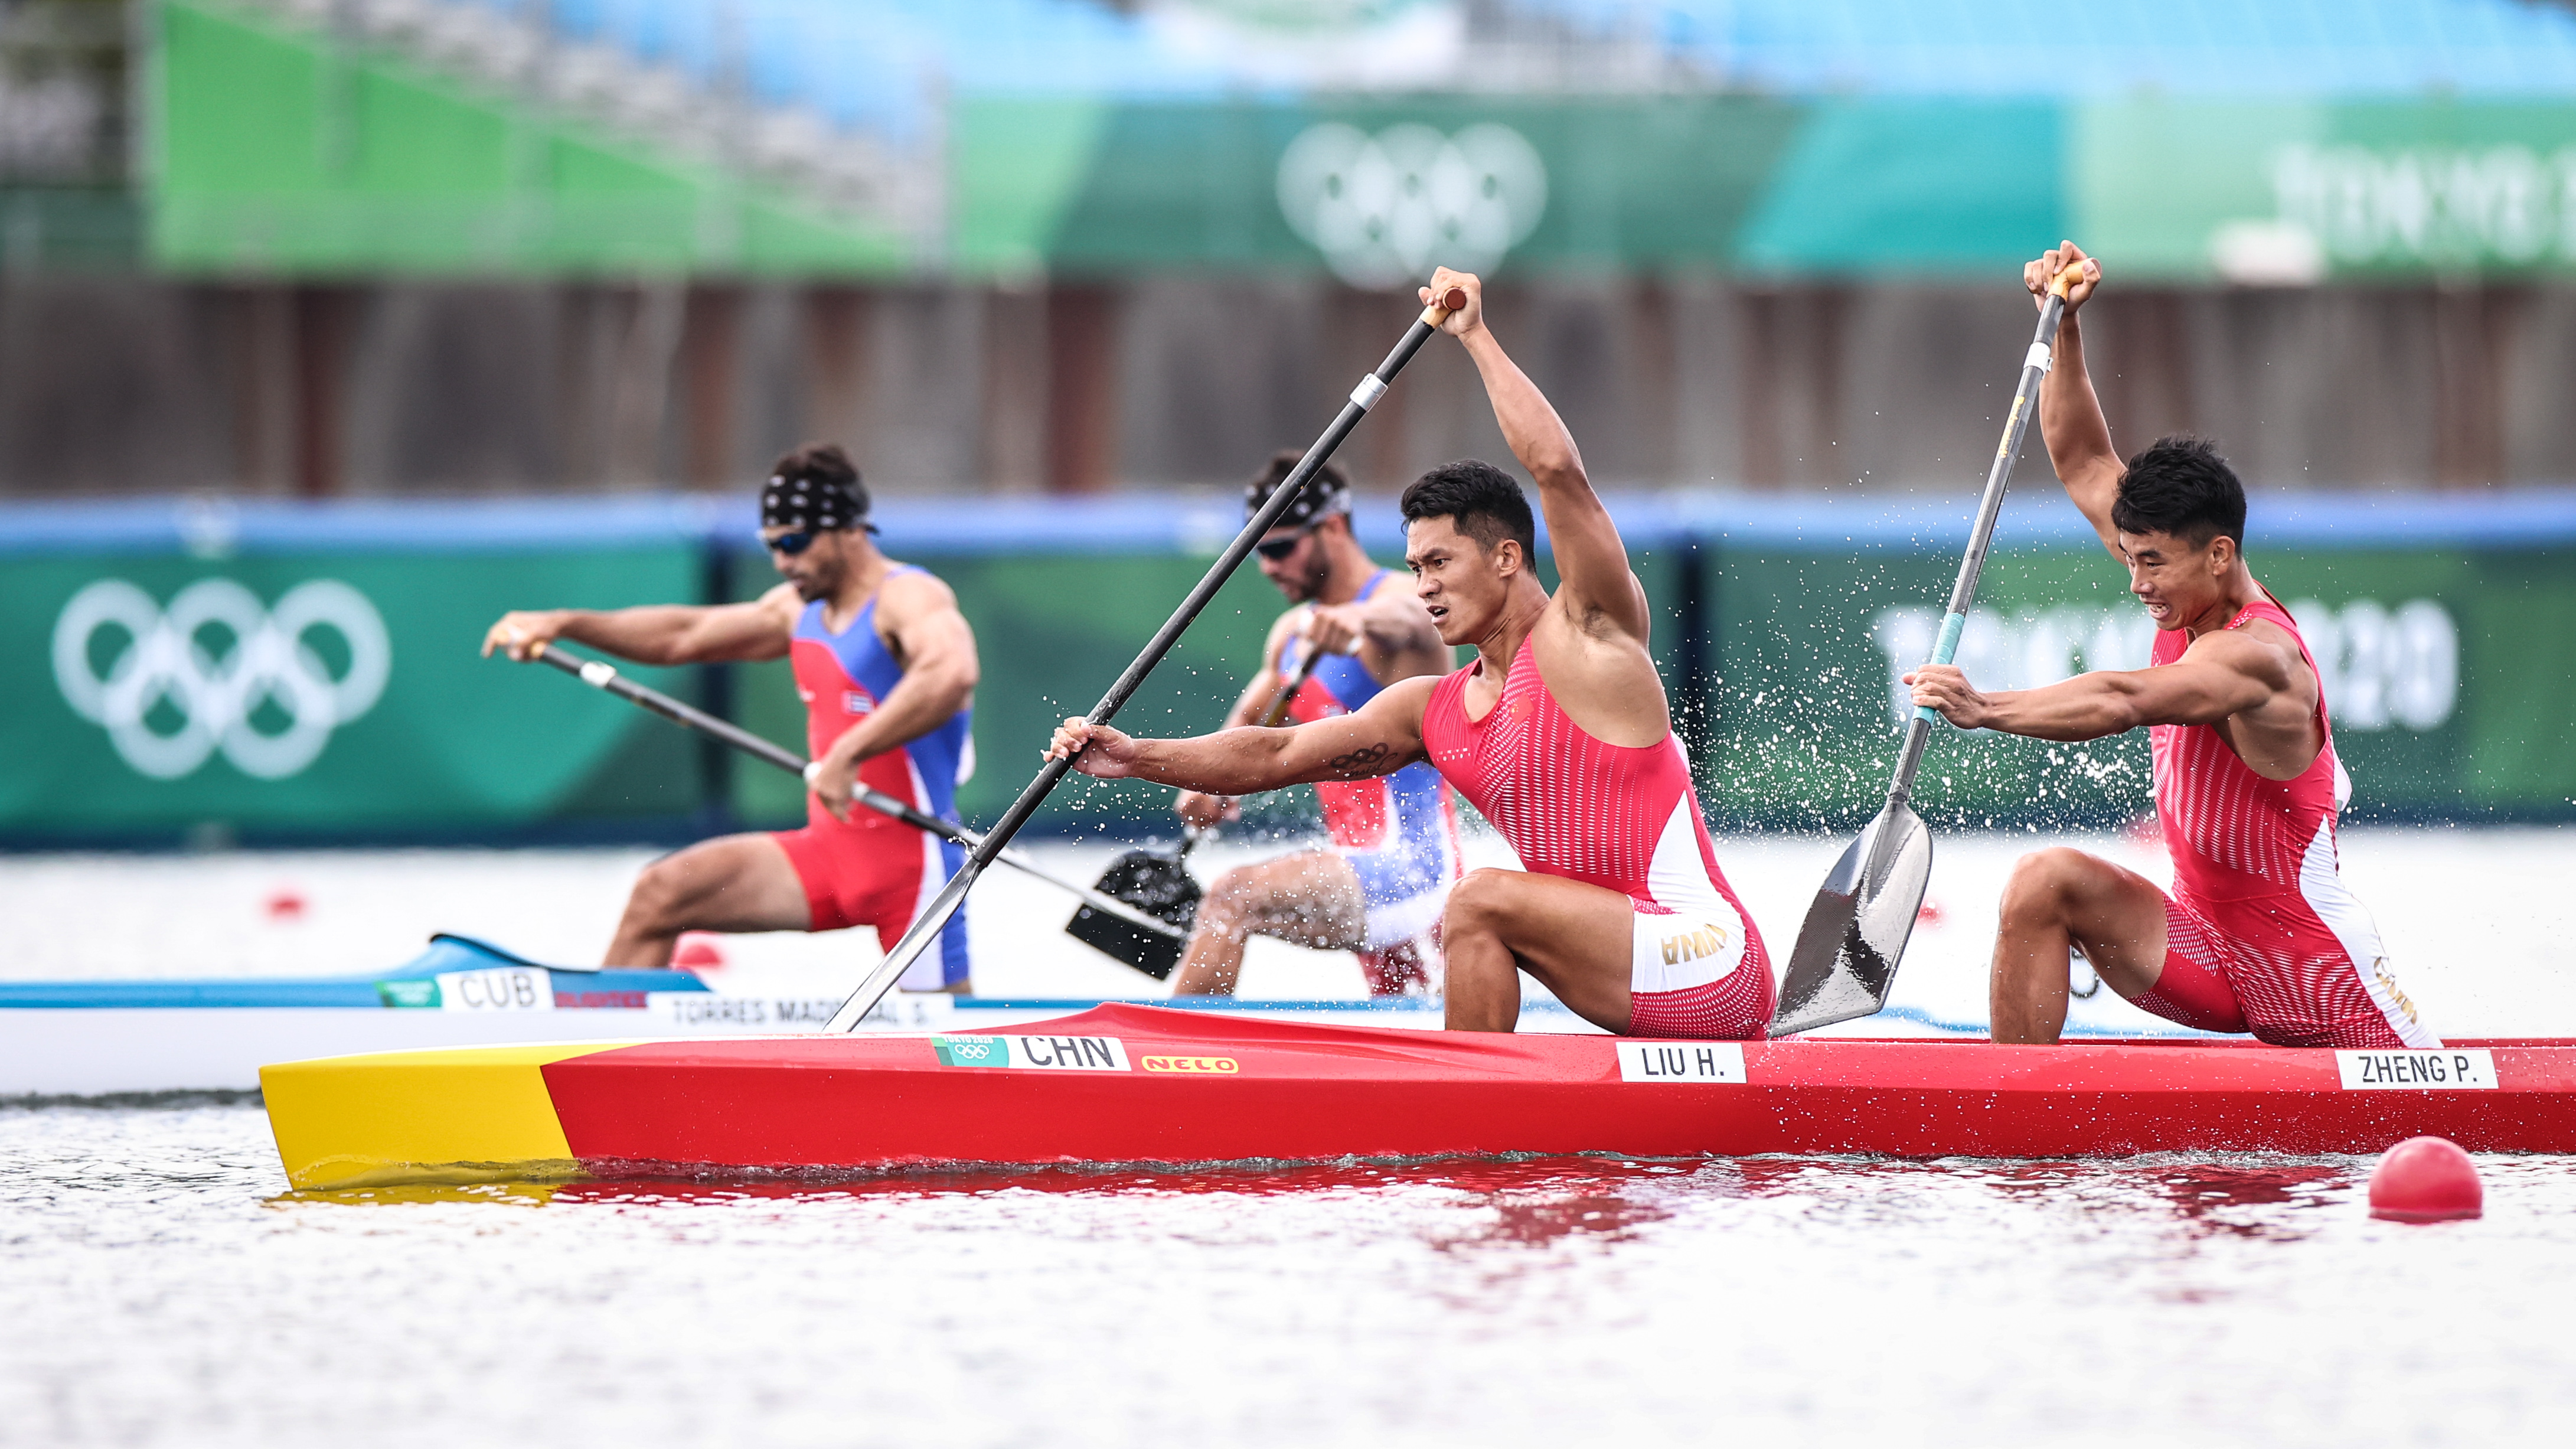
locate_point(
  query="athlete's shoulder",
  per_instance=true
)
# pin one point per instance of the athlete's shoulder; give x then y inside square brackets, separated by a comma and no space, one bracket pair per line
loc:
[2258,648]
[784,605]
[1408,698]
[910,590]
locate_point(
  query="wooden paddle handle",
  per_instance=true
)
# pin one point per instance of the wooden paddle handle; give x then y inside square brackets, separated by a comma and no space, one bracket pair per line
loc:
[1438,312]
[2066,278]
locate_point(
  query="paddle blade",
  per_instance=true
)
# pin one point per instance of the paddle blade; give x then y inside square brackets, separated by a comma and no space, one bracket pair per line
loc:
[1155,882]
[1856,931]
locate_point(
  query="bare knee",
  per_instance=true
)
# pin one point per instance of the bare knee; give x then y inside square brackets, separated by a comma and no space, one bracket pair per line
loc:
[660,889]
[2043,886]
[1478,904]
[1234,902]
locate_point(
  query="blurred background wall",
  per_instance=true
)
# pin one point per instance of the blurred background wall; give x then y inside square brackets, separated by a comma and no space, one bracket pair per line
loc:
[373,247]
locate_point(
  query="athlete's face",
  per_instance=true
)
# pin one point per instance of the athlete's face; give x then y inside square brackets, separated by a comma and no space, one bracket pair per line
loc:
[2177,580]
[1459,580]
[1299,572]
[817,569]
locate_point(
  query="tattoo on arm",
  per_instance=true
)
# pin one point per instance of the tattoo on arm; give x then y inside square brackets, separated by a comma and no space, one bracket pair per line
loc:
[1360,763]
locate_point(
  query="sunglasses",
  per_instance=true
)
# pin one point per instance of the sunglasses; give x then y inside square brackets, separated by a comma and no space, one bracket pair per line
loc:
[790,544]
[1277,549]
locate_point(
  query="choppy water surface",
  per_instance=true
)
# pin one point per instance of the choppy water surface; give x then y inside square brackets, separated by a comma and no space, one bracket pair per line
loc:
[158,1287]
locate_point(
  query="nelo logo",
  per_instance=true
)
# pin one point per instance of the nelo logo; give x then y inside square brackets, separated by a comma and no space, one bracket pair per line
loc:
[1386,209]
[1214,1066]
[217,671]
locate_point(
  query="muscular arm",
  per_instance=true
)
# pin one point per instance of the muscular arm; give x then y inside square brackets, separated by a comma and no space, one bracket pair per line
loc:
[2070,413]
[1595,586]
[2222,675]
[1382,738]
[917,615]
[663,634]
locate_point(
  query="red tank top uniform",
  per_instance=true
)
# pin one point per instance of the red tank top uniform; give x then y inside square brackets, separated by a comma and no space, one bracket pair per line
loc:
[2261,933]
[1625,818]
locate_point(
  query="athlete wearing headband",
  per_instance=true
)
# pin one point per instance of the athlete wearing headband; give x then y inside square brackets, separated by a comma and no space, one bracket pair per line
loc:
[886,668]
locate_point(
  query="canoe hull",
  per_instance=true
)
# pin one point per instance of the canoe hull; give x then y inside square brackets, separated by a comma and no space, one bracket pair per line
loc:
[1139,1085]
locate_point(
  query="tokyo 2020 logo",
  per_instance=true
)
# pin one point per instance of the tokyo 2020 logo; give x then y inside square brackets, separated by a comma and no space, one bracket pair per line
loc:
[1386,209]
[217,671]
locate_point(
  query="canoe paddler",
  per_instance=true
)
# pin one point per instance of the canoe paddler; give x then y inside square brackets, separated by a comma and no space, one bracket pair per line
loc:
[2259,933]
[1395,837]
[885,665]
[1559,732]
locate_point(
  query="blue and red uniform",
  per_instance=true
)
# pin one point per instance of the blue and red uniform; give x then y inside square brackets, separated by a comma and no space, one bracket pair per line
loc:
[1399,831]
[874,870]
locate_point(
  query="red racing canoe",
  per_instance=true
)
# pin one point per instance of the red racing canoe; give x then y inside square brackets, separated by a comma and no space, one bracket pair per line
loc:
[1136,1084]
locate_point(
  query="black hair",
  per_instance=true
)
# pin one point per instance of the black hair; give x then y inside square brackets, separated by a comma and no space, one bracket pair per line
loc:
[2179,485]
[815,486]
[1481,501]
[1328,492]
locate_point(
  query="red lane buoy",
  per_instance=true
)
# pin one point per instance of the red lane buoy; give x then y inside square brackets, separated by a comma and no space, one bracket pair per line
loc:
[1929,913]
[286,903]
[2426,1180]
[698,953]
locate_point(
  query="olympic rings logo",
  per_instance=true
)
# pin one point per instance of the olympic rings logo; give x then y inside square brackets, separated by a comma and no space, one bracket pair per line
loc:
[1384,209]
[216,671]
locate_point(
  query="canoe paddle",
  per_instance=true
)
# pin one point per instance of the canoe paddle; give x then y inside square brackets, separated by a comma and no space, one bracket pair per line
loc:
[1159,882]
[601,675]
[926,927]
[1856,930]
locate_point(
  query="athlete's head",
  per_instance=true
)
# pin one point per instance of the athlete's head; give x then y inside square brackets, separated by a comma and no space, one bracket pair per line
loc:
[1297,553]
[2180,516]
[813,514]
[1470,539]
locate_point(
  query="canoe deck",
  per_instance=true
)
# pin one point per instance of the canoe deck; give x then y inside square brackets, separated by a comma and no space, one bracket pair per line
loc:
[1135,1084]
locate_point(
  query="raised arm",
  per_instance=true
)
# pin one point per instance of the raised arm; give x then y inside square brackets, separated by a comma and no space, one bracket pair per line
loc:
[1384,736]
[2070,414]
[658,633]
[1595,585]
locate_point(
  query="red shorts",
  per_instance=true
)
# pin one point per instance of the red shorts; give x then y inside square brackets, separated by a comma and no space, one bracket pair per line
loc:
[881,876]
[2277,967]
[1735,1007]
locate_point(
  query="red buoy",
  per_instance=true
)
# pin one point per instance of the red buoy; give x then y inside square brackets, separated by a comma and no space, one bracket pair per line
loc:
[285,904]
[697,952]
[2426,1180]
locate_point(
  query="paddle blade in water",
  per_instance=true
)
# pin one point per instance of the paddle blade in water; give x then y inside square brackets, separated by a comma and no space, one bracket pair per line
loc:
[1156,883]
[1855,933]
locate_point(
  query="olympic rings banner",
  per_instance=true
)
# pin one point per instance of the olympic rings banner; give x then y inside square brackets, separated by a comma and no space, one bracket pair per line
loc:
[314,673]
[327,692]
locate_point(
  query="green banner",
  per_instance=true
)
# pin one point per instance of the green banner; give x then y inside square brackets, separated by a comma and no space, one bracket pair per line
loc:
[2293,192]
[2451,690]
[329,691]
[324,682]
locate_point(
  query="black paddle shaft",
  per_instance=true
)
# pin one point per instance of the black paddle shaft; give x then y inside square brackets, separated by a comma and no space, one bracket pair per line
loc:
[601,675]
[926,926]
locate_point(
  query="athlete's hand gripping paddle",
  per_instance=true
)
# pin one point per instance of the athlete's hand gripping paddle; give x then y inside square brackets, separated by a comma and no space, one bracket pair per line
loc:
[1856,930]
[1159,883]
[926,927]
[603,676]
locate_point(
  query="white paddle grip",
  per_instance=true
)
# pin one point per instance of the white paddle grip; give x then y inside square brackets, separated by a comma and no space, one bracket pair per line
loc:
[2037,357]
[596,674]
[1371,388]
